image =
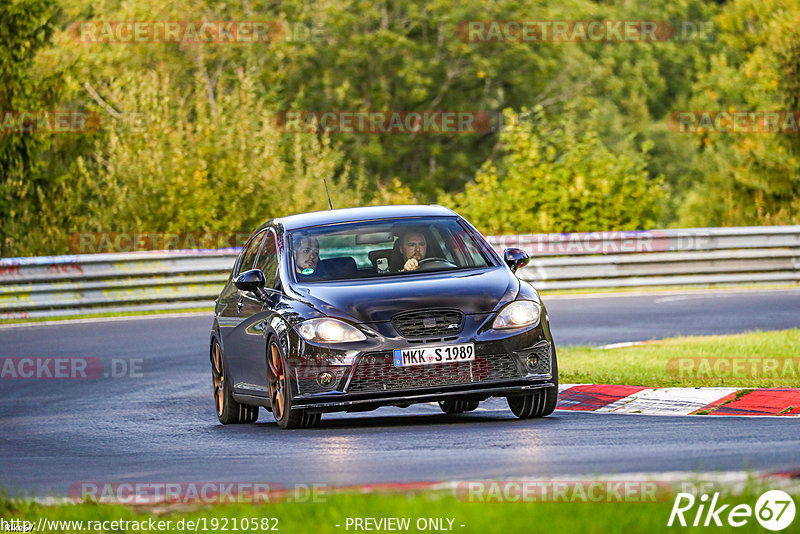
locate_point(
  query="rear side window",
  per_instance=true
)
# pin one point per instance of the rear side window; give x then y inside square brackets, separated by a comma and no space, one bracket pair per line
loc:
[248,256]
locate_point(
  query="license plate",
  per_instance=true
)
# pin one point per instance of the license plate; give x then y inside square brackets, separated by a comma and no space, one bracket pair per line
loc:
[462,352]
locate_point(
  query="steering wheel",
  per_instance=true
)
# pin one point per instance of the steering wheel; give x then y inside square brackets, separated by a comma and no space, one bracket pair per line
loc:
[434,262]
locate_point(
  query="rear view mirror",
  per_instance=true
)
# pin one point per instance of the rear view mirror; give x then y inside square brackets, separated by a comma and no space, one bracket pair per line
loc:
[374,238]
[516,258]
[252,281]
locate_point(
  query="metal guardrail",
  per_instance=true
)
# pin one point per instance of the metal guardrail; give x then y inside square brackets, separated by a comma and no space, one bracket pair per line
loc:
[698,256]
[48,286]
[68,285]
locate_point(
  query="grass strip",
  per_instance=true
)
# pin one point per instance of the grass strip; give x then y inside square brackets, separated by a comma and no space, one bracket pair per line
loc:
[323,517]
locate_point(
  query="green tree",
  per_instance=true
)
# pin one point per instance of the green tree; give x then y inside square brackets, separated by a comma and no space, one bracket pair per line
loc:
[208,162]
[374,56]
[407,55]
[29,163]
[751,178]
[207,108]
[557,176]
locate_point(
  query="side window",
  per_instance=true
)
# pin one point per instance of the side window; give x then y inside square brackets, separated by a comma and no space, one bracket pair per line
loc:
[268,260]
[248,256]
[465,250]
[446,252]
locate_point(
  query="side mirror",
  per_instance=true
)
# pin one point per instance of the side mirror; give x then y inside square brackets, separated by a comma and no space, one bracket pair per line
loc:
[516,258]
[252,281]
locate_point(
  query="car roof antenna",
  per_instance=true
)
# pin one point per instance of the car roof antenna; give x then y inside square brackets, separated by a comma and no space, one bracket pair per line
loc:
[327,193]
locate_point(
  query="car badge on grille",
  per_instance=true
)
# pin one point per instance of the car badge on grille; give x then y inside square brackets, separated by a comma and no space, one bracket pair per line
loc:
[429,322]
[451,326]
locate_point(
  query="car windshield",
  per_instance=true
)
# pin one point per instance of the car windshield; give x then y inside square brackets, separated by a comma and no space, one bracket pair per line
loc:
[393,247]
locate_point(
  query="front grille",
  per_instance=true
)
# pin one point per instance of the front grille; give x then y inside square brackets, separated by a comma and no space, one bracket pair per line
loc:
[376,372]
[310,385]
[428,323]
[307,374]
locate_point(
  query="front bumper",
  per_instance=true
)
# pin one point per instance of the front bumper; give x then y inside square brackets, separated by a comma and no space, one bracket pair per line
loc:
[412,396]
[506,364]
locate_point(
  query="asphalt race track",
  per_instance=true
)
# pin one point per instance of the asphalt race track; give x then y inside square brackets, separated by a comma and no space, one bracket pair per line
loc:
[159,424]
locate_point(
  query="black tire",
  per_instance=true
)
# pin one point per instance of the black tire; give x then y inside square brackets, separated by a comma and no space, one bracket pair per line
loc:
[541,402]
[229,412]
[281,392]
[458,405]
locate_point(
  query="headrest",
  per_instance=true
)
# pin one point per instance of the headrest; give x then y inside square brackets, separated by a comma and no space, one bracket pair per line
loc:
[340,266]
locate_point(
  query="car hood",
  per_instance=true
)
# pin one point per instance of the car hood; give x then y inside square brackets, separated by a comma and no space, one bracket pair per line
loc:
[368,301]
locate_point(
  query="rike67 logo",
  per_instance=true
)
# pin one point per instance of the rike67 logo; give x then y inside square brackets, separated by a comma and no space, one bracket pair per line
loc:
[774,510]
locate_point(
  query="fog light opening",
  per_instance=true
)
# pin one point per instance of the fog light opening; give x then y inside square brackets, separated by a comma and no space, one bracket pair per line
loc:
[532,362]
[325,379]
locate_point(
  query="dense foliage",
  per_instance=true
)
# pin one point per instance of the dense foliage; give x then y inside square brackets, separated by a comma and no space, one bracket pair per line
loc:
[189,139]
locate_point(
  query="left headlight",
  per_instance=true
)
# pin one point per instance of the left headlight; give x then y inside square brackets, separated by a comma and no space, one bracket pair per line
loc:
[328,330]
[517,314]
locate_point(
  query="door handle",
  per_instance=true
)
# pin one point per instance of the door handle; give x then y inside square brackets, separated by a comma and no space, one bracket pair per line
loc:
[240,304]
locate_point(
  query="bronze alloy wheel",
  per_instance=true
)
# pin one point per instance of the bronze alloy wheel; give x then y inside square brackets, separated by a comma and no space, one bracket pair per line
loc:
[218,378]
[277,381]
[228,409]
[279,387]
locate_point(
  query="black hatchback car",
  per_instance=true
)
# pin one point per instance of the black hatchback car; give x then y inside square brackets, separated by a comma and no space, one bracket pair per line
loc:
[352,309]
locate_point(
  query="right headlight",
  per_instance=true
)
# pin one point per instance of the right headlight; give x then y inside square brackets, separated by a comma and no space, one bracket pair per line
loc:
[518,314]
[329,330]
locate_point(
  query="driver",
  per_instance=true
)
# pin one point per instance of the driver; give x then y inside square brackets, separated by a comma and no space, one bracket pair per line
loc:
[413,247]
[306,255]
